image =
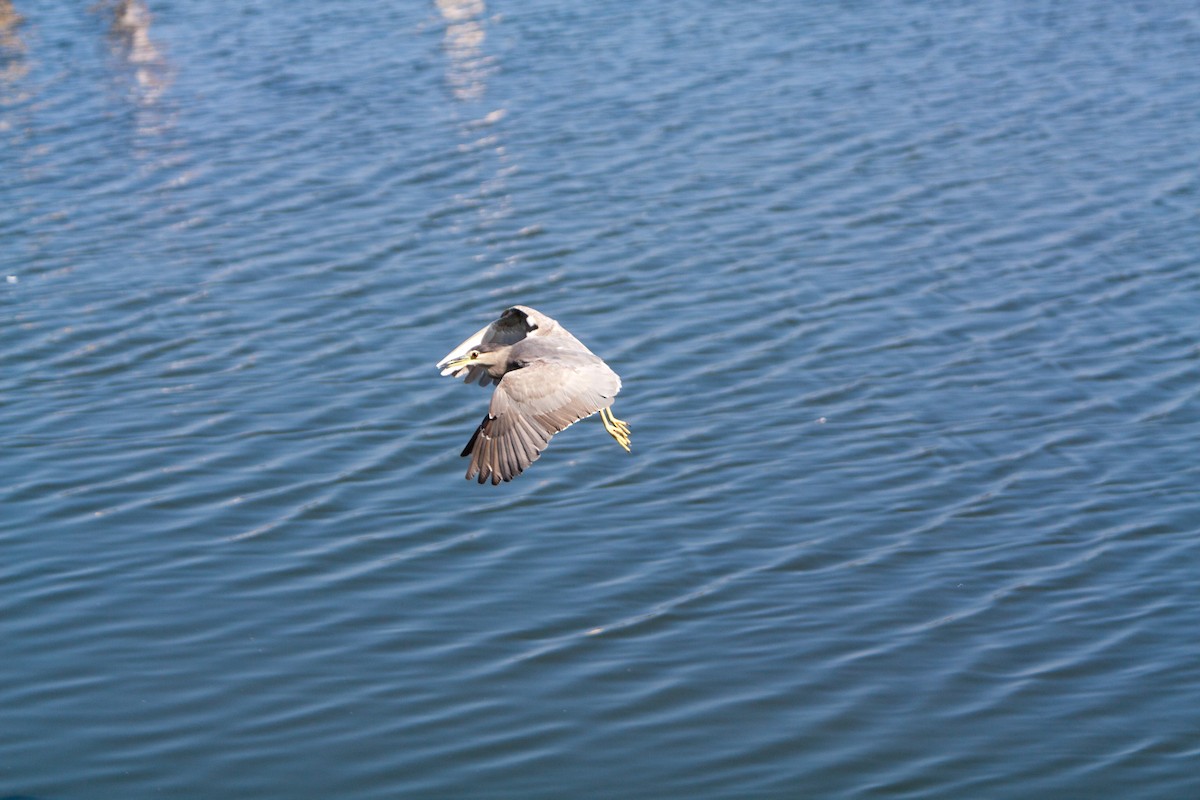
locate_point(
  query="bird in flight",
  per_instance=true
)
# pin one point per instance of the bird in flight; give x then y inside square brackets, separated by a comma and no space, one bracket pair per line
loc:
[545,381]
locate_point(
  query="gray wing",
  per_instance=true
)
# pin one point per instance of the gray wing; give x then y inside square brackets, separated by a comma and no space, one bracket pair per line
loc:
[532,404]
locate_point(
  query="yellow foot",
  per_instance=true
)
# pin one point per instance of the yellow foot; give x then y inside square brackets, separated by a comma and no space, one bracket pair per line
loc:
[616,428]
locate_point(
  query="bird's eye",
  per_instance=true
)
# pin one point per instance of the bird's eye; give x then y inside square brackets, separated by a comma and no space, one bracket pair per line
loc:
[474,354]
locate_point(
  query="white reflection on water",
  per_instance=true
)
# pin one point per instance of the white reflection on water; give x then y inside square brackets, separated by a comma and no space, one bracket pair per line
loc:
[464,40]
[131,42]
[466,75]
[13,66]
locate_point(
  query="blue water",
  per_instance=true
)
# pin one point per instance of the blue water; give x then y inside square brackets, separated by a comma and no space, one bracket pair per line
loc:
[906,302]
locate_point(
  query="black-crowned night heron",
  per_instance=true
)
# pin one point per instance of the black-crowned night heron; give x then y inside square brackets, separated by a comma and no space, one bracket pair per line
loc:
[545,381]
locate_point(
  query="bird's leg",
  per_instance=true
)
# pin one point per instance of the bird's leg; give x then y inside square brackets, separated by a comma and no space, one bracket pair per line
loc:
[621,436]
[616,428]
[620,425]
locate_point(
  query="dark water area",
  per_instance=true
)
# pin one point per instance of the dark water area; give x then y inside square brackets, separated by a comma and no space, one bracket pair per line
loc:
[906,302]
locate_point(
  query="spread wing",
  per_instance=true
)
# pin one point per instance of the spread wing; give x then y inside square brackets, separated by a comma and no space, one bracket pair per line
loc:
[532,404]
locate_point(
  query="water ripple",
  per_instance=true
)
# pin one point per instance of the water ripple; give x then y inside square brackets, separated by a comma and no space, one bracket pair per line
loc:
[903,303]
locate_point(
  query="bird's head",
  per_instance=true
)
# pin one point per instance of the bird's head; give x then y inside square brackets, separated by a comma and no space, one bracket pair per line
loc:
[481,355]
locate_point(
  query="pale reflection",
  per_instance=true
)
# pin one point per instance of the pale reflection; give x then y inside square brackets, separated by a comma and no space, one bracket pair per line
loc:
[131,42]
[490,200]
[13,65]
[464,39]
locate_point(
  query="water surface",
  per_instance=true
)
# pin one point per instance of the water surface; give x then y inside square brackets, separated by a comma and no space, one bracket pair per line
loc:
[906,303]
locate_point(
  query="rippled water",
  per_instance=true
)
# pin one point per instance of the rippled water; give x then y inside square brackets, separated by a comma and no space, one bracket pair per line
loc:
[906,302]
